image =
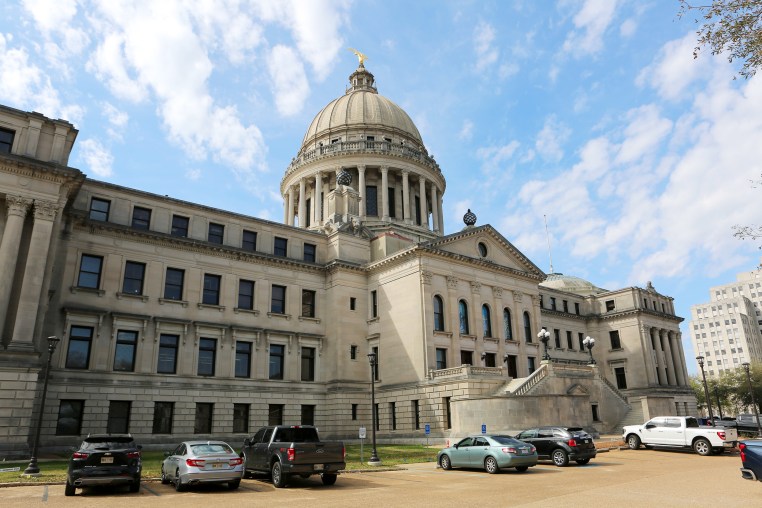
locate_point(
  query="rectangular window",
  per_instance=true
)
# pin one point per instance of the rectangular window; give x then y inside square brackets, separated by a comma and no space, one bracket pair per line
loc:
[417,210]
[308,303]
[241,418]
[242,359]
[615,342]
[134,274]
[280,247]
[249,241]
[80,342]
[204,417]
[596,418]
[99,209]
[609,305]
[621,378]
[124,354]
[416,414]
[207,351]
[216,233]
[6,140]
[557,337]
[70,417]
[278,300]
[531,364]
[576,308]
[141,218]
[173,284]
[569,340]
[353,352]
[118,417]
[566,306]
[246,294]
[275,414]
[490,360]
[354,411]
[552,303]
[162,417]
[392,203]
[371,201]
[276,361]
[448,413]
[308,364]
[168,345]
[90,272]
[393,415]
[581,339]
[513,367]
[309,252]
[466,357]
[374,304]
[352,303]
[180,226]
[211,289]
[308,414]
[441,358]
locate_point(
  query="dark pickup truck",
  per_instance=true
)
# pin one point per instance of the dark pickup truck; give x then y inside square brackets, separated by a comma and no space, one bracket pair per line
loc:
[751,459]
[284,450]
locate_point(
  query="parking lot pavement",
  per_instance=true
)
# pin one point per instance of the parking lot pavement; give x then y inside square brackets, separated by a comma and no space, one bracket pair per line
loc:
[620,478]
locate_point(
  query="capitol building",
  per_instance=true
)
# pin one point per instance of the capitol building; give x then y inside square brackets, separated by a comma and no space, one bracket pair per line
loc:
[177,320]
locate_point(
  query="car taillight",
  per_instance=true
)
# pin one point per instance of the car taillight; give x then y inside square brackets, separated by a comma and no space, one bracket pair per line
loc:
[290,454]
[721,435]
[80,455]
[236,462]
[195,462]
[133,455]
[742,447]
[534,449]
[508,449]
[344,452]
[572,442]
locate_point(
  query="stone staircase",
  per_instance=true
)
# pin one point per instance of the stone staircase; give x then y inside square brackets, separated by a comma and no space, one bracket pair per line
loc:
[633,417]
[522,385]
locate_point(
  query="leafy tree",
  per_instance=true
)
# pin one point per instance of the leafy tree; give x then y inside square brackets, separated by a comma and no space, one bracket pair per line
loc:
[733,27]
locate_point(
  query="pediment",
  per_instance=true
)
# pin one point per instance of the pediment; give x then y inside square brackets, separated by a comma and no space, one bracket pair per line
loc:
[577,389]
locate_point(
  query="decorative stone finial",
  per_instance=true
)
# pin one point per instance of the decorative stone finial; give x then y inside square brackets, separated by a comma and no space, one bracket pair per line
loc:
[343,177]
[469,218]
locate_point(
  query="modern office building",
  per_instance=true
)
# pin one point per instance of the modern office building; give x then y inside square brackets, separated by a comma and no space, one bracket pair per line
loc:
[178,320]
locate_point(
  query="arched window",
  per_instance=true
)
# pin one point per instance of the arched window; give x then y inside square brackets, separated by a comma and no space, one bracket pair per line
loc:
[463,316]
[486,321]
[438,314]
[527,327]
[507,324]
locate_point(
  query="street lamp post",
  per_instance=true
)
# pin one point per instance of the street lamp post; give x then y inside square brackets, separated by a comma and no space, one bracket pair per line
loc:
[589,343]
[544,337]
[374,460]
[719,406]
[700,360]
[33,468]
[753,399]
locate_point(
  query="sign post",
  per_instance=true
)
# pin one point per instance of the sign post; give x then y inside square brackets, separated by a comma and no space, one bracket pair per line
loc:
[484,428]
[427,430]
[362,440]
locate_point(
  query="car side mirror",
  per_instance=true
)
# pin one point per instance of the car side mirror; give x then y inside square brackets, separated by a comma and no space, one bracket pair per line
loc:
[650,426]
[167,454]
[140,447]
[247,442]
[455,446]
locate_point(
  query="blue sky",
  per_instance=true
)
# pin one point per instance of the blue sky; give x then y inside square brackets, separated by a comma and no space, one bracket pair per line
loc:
[592,113]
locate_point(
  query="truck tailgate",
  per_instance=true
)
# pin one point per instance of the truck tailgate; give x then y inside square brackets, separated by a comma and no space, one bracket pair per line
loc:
[318,453]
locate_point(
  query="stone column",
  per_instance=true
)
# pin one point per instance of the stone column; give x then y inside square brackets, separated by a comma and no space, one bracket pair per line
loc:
[454,314]
[302,203]
[290,221]
[384,193]
[9,249]
[361,185]
[679,358]
[434,209]
[656,343]
[285,209]
[423,208]
[406,196]
[34,273]
[670,361]
[648,357]
[318,217]
[441,213]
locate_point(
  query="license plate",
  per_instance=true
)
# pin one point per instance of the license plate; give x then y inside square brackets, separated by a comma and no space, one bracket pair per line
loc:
[727,445]
[523,451]
[107,460]
[317,466]
[218,465]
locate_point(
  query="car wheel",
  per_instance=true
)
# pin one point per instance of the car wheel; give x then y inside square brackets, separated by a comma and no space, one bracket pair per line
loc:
[445,462]
[135,486]
[702,447]
[234,484]
[164,478]
[279,479]
[521,469]
[70,489]
[560,457]
[490,465]
[328,478]
[633,442]
[179,487]
[582,462]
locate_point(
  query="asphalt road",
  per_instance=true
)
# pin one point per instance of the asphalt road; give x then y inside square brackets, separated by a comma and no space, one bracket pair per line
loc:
[619,478]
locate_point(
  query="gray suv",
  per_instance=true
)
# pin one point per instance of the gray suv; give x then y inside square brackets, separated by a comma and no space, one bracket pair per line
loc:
[105,459]
[560,444]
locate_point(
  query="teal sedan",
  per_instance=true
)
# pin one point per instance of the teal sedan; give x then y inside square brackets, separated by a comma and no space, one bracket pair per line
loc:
[492,453]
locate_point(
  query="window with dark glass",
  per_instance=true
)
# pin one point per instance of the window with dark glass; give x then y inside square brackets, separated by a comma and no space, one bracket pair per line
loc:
[531,364]
[216,233]
[180,226]
[162,417]
[309,252]
[308,364]
[566,306]
[418,210]
[249,241]
[280,247]
[463,317]
[278,300]
[507,324]
[246,294]
[557,337]
[308,414]
[124,354]
[576,308]
[466,357]
[438,314]
[276,361]
[69,421]
[168,345]
[80,343]
[242,359]
[615,342]
[308,213]
[353,352]
[275,414]
[173,284]
[513,368]
[393,415]
[204,417]
[211,289]
[99,209]
[441,358]
[354,411]
[374,304]
[552,303]
[134,274]
[141,218]
[90,271]
[621,378]
[371,201]
[207,351]
[581,341]
[6,140]
[486,321]
[392,203]
[118,417]
[352,303]
[527,328]
[308,303]
[609,305]
[241,418]
[416,414]
[569,340]
[490,360]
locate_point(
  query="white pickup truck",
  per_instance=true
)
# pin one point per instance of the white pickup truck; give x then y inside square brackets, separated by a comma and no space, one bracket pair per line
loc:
[681,432]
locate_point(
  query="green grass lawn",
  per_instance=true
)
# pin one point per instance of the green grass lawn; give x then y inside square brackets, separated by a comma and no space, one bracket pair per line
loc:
[53,469]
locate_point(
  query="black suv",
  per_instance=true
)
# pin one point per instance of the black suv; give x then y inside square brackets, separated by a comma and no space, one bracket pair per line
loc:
[560,444]
[105,459]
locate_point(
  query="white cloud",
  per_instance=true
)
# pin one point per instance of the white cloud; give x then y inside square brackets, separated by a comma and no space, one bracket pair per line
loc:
[466,130]
[96,157]
[675,69]
[116,118]
[289,81]
[628,28]
[495,156]
[591,23]
[193,174]
[550,140]
[486,53]
[644,132]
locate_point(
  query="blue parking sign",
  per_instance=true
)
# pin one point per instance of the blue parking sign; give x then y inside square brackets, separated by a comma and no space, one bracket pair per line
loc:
[484,428]
[427,429]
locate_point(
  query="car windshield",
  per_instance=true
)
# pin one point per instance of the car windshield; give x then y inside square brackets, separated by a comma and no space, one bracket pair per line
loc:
[210,449]
[506,440]
[107,444]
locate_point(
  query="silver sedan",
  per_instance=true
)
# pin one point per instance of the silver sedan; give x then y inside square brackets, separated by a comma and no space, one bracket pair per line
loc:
[489,452]
[196,462]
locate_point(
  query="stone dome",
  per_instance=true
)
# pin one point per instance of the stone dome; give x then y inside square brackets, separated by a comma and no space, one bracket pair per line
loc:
[571,284]
[361,107]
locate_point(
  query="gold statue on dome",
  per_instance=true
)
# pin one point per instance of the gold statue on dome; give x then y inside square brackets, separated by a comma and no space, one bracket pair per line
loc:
[360,56]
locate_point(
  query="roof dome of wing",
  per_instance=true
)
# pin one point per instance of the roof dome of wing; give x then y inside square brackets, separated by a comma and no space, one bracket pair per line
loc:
[571,284]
